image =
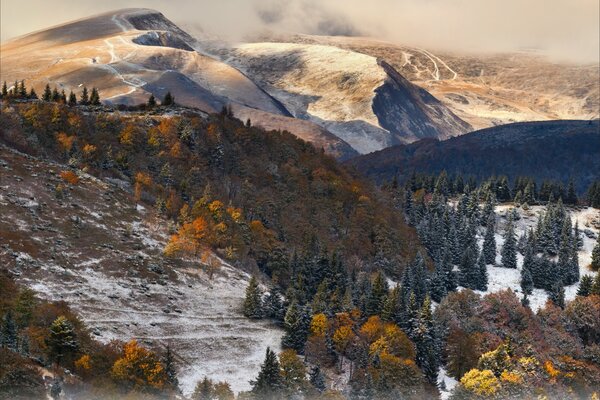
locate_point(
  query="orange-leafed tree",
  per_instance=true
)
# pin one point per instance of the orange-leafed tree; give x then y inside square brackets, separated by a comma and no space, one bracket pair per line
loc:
[139,369]
[69,177]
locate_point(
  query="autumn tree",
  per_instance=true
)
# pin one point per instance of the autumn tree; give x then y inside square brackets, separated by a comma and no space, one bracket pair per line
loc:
[62,341]
[139,369]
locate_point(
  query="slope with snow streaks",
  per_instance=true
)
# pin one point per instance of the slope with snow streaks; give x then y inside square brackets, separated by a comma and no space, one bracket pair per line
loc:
[365,103]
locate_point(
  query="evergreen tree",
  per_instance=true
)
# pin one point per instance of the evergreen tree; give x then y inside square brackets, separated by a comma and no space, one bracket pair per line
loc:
[571,198]
[269,384]
[61,341]
[253,307]
[8,334]
[15,89]
[585,286]
[482,280]
[72,99]
[55,95]
[425,343]
[489,240]
[4,92]
[151,101]
[63,97]
[273,305]
[296,324]
[47,96]
[526,281]
[32,94]
[596,255]
[168,100]
[317,379]
[596,286]
[509,248]
[469,272]
[557,294]
[95,97]
[170,370]
[379,291]
[85,98]
[22,90]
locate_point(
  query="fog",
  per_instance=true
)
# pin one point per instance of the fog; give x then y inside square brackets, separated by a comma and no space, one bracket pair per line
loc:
[567,30]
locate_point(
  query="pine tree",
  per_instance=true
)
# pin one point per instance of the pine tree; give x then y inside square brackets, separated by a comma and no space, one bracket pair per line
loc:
[596,255]
[32,94]
[72,99]
[151,101]
[571,194]
[22,90]
[63,97]
[269,384]
[47,96]
[296,324]
[509,248]
[170,370]
[425,343]
[8,334]
[469,272]
[95,97]
[61,341]
[273,305]
[585,286]
[253,307]
[526,281]
[489,240]
[55,95]
[377,295]
[596,286]
[168,100]
[557,294]
[15,89]
[482,281]
[317,379]
[85,98]
[4,92]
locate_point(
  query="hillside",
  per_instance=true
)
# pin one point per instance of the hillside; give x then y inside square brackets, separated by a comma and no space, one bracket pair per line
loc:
[360,99]
[132,53]
[556,150]
[484,89]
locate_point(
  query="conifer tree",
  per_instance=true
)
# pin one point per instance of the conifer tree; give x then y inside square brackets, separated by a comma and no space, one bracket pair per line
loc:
[170,370]
[585,286]
[557,294]
[253,301]
[151,101]
[95,97]
[377,295]
[269,384]
[85,97]
[15,89]
[482,280]
[4,92]
[469,272]
[489,240]
[526,281]
[168,100]
[8,333]
[32,94]
[390,306]
[55,95]
[509,248]
[296,324]
[273,305]
[425,343]
[22,90]
[596,255]
[61,341]
[63,97]
[596,286]
[571,194]
[317,379]
[47,96]
[72,99]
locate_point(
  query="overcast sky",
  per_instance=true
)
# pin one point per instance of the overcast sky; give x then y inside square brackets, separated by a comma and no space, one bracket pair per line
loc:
[565,29]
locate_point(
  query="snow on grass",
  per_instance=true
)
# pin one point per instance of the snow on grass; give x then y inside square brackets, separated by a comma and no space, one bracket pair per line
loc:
[446,382]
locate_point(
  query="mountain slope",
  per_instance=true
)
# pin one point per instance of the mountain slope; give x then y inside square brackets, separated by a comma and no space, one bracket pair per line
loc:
[364,102]
[484,89]
[131,53]
[545,150]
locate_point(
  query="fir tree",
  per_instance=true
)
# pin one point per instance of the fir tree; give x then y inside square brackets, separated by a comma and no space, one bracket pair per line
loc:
[425,343]
[489,240]
[482,280]
[55,95]
[469,272]
[95,97]
[317,379]
[72,99]
[15,89]
[61,341]
[4,92]
[170,370]
[47,96]
[571,198]
[557,294]
[596,286]
[63,97]
[85,98]
[509,248]
[168,100]
[296,324]
[151,101]
[8,334]
[22,90]
[526,281]
[253,301]
[585,286]
[596,255]
[32,94]
[269,384]
[273,305]
[377,295]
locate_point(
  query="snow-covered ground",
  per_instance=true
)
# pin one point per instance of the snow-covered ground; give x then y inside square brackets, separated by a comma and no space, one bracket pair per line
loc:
[500,278]
[446,383]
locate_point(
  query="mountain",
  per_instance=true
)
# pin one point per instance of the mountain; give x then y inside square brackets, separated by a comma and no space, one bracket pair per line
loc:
[557,150]
[355,104]
[131,53]
[484,89]
[359,98]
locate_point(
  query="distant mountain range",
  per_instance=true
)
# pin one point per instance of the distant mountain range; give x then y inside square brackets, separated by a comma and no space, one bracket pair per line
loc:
[558,150]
